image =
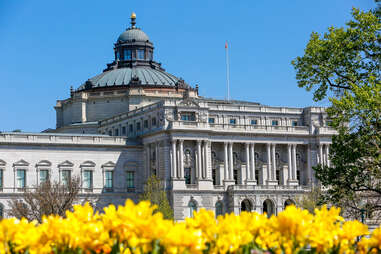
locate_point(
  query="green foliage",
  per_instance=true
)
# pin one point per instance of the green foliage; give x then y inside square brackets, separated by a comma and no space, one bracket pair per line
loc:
[347,61]
[341,57]
[153,192]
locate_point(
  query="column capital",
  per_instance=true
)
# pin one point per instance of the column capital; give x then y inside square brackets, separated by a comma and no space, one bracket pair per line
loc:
[181,141]
[198,141]
[247,144]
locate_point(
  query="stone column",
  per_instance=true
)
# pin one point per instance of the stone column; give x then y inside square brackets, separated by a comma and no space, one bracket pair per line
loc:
[226,162]
[294,161]
[327,155]
[309,167]
[273,171]
[268,146]
[290,172]
[181,158]
[231,166]
[199,161]
[321,161]
[174,163]
[252,166]
[157,163]
[208,174]
[148,161]
[83,111]
[248,162]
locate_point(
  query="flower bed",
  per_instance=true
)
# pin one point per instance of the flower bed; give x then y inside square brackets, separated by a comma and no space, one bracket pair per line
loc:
[135,229]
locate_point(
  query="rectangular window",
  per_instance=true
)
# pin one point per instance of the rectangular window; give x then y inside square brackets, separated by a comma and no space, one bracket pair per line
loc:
[21,178]
[44,175]
[131,129]
[275,123]
[109,180]
[116,131]
[127,54]
[110,133]
[87,179]
[146,124]
[130,179]
[153,121]
[65,177]
[294,123]
[254,122]
[124,130]
[211,120]
[141,54]
[188,116]
[138,126]
[233,121]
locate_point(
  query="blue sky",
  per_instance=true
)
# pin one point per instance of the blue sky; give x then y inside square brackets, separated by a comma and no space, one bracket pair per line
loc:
[48,46]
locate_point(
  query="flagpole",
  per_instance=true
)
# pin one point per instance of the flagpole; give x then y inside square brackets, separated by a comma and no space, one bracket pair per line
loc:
[227,70]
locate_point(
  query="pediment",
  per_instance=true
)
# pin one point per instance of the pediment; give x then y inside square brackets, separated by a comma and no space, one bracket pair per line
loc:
[109,164]
[2,163]
[87,164]
[21,163]
[66,164]
[44,163]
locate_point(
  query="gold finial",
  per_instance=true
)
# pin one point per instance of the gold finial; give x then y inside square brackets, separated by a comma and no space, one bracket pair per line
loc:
[133,22]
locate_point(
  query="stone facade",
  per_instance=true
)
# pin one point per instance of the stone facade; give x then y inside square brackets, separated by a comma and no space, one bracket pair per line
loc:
[134,120]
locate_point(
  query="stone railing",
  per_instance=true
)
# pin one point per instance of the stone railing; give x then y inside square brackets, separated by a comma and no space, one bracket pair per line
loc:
[61,139]
[268,187]
[327,131]
[188,125]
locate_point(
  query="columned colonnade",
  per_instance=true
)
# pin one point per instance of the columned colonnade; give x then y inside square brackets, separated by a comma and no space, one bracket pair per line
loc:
[203,161]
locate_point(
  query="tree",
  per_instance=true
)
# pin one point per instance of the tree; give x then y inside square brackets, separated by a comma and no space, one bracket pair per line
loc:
[48,198]
[341,57]
[347,62]
[310,200]
[153,192]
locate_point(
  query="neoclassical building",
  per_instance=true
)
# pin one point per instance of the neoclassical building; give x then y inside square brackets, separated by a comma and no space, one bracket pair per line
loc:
[135,119]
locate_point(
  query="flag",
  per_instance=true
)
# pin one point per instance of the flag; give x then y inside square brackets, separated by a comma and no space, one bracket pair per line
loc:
[226,44]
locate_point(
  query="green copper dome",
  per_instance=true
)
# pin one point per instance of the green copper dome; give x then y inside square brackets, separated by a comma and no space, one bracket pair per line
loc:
[139,75]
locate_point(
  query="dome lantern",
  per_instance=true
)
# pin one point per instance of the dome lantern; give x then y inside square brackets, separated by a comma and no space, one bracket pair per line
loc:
[133,46]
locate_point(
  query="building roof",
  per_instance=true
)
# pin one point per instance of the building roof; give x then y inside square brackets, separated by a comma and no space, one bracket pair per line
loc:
[138,75]
[133,34]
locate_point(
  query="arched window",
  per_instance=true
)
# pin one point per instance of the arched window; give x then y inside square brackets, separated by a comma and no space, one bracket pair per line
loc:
[246,206]
[268,207]
[219,208]
[288,202]
[192,207]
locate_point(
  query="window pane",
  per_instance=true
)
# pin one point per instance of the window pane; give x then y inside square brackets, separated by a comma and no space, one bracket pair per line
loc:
[275,122]
[20,178]
[65,177]
[140,53]
[130,180]
[254,122]
[108,180]
[44,176]
[233,121]
[127,54]
[1,178]
[87,179]
[211,120]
